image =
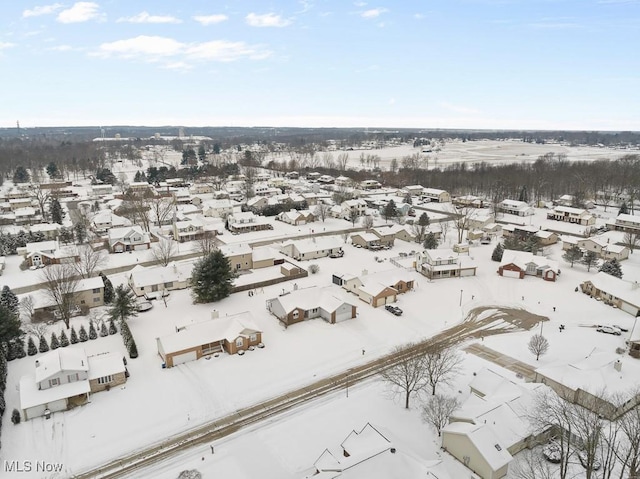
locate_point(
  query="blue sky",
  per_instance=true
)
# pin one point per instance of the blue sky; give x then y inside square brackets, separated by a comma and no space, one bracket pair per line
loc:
[539,64]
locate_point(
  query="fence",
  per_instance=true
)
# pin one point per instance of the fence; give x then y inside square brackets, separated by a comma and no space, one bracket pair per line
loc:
[269,282]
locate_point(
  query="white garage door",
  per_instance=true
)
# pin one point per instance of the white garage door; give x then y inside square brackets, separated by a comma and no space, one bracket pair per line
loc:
[183,358]
[467,272]
[140,247]
[627,308]
[510,274]
[342,315]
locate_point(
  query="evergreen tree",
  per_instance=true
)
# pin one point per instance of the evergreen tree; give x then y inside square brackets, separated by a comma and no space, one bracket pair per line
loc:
[64,341]
[55,344]
[430,241]
[128,340]
[15,417]
[44,346]
[124,305]
[21,175]
[624,209]
[55,210]
[103,330]
[80,231]
[83,334]
[65,235]
[74,336]
[32,350]
[589,259]
[93,334]
[108,289]
[112,327]
[9,326]
[19,346]
[52,170]
[524,195]
[612,267]
[498,251]
[8,299]
[572,255]
[390,210]
[211,278]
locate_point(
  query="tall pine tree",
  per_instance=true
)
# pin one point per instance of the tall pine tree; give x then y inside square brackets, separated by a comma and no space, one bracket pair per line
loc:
[83,334]
[55,210]
[55,344]
[124,305]
[32,350]
[44,346]
[612,267]
[8,299]
[108,289]
[74,335]
[498,251]
[64,341]
[211,278]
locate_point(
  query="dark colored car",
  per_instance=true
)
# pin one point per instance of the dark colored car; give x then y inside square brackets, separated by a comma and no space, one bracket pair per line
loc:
[393,309]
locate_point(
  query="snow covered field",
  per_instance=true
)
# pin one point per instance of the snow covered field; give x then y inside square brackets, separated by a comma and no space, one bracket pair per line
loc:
[156,403]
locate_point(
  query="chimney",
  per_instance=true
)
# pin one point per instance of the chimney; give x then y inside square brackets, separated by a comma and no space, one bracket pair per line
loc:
[215,314]
[618,365]
[392,450]
[37,363]
[364,272]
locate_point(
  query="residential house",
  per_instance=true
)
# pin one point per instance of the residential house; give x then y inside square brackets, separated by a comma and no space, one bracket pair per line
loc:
[188,230]
[265,256]
[50,231]
[522,232]
[375,293]
[313,248]
[599,245]
[217,208]
[513,207]
[376,289]
[152,281]
[327,303]
[246,222]
[366,240]
[295,217]
[625,222]
[413,190]
[257,203]
[349,207]
[343,181]
[444,263]
[498,405]
[90,292]
[436,195]
[517,264]
[101,190]
[370,185]
[104,220]
[386,236]
[64,378]
[128,238]
[546,238]
[479,221]
[240,256]
[370,453]
[45,253]
[469,201]
[616,292]
[25,216]
[191,342]
[571,215]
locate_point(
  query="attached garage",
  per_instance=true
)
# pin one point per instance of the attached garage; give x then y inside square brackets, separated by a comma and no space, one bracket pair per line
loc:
[507,273]
[344,312]
[628,308]
[468,272]
[36,402]
[181,358]
[141,247]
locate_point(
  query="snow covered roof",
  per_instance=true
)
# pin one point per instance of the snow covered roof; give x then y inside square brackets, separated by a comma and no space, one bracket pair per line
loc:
[523,258]
[86,284]
[146,276]
[31,396]
[367,237]
[625,290]
[42,246]
[230,250]
[226,327]
[62,359]
[316,244]
[626,218]
[264,252]
[105,364]
[329,298]
[485,441]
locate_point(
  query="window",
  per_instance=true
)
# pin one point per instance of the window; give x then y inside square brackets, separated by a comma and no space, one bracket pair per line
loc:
[105,379]
[96,300]
[96,290]
[239,342]
[54,382]
[253,338]
[72,377]
[169,284]
[296,314]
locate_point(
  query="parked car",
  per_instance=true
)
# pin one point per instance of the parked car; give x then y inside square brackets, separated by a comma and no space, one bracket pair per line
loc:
[552,452]
[621,328]
[609,330]
[485,240]
[393,309]
[339,254]
[584,461]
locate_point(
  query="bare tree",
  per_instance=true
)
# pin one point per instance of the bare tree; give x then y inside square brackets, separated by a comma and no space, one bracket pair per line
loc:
[26,307]
[441,365]
[628,450]
[461,219]
[206,243]
[588,423]
[42,196]
[531,465]
[444,229]
[61,284]
[164,251]
[161,209]
[538,345]
[367,222]
[327,160]
[342,160]
[631,240]
[322,211]
[438,409]
[39,330]
[407,376]
[353,216]
[89,261]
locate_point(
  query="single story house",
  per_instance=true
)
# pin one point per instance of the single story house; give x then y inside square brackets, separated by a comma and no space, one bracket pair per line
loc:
[313,248]
[436,195]
[303,304]
[228,334]
[517,264]
[376,293]
[366,240]
[613,291]
[513,207]
[60,255]
[152,279]
[295,217]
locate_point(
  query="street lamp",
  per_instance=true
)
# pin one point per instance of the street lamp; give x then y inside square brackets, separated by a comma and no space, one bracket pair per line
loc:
[461,297]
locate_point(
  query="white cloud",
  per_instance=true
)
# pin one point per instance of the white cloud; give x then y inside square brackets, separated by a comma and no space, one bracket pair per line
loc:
[210,19]
[144,17]
[266,20]
[373,13]
[5,45]
[163,49]
[42,10]
[360,4]
[61,48]
[80,12]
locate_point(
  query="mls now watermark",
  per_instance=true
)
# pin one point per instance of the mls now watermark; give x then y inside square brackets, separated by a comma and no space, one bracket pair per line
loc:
[32,466]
